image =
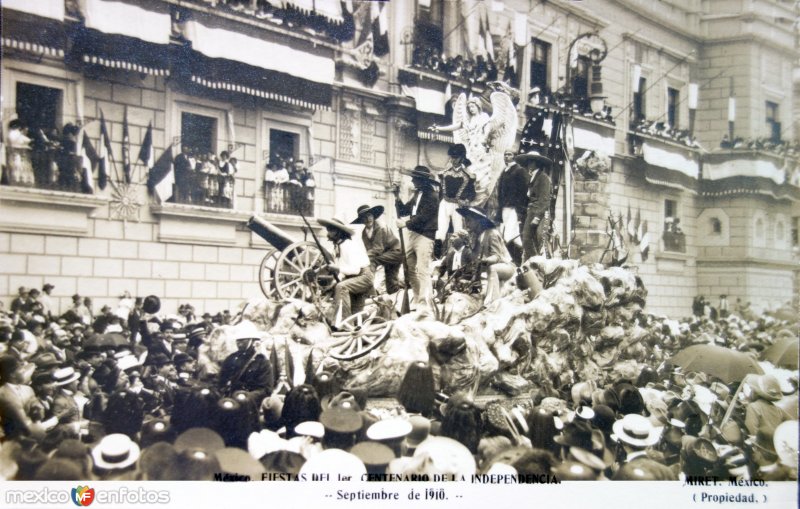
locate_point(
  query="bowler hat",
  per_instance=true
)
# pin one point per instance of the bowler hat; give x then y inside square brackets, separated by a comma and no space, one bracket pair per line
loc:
[151,304]
[363,210]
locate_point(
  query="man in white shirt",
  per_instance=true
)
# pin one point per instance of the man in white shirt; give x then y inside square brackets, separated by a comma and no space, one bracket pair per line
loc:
[352,264]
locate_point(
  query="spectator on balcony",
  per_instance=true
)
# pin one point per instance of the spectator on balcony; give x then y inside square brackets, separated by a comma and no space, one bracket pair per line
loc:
[69,163]
[276,173]
[227,178]
[18,158]
[185,165]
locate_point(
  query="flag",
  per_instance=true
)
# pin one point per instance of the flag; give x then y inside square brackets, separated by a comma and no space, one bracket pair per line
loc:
[126,148]
[448,94]
[629,225]
[644,244]
[731,109]
[89,160]
[104,153]
[510,74]
[693,94]
[146,154]
[380,28]
[637,225]
[161,177]
[636,77]
[485,34]
[231,133]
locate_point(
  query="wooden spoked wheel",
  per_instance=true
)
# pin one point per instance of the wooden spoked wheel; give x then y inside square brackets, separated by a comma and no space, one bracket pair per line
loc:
[359,334]
[266,273]
[296,271]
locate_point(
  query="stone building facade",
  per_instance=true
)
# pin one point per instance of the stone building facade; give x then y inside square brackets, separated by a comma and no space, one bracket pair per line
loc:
[357,114]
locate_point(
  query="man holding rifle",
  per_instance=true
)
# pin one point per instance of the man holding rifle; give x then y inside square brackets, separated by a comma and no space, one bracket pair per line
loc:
[352,265]
[422,221]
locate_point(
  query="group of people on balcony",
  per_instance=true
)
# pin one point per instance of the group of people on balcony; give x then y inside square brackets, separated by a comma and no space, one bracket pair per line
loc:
[205,179]
[289,185]
[478,70]
[666,131]
[49,160]
[779,147]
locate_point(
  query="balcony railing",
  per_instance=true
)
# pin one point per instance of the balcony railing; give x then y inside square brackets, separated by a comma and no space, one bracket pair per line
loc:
[288,198]
[46,169]
[674,242]
[205,189]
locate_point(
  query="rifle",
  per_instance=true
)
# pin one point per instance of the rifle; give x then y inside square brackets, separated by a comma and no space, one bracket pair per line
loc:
[322,250]
[406,306]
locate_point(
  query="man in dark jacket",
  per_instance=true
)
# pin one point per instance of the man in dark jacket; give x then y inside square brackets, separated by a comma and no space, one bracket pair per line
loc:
[512,202]
[383,247]
[246,369]
[422,211]
[539,189]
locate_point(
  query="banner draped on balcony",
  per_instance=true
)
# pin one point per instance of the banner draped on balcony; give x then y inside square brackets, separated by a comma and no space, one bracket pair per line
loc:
[108,38]
[31,33]
[743,165]
[53,9]
[740,185]
[219,59]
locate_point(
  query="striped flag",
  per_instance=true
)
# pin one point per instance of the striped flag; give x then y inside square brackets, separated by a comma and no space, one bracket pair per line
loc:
[637,225]
[161,175]
[126,148]
[644,243]
[89,160]
[146,155]
[104,153]
[629,225]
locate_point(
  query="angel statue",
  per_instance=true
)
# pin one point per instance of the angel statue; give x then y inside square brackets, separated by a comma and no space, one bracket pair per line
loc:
[486,137]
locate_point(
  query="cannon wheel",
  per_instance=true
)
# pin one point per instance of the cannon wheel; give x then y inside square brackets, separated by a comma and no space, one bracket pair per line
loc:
[358,334]
[266,273]
[295,271]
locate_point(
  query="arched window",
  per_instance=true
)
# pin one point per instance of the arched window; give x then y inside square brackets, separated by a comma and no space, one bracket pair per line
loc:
[759,233]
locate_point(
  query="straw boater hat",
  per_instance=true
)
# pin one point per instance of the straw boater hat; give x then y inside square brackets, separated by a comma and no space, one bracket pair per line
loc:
[115,452]
[363,210]
[532,156]
[336,224]
[636,430]
[476,214]
[64,376]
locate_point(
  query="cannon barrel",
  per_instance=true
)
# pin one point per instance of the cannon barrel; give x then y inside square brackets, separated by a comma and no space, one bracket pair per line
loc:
[276,237]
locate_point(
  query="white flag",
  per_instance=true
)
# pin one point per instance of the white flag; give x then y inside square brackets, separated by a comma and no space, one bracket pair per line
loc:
[731,109]
[693,94]
[636,77]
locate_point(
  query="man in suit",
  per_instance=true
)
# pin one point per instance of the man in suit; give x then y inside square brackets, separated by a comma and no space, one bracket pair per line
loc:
[422,212]
[512,202]
[246,369]
[539,189]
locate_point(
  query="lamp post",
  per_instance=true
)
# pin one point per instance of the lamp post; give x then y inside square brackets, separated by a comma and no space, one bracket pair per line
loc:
[596,49]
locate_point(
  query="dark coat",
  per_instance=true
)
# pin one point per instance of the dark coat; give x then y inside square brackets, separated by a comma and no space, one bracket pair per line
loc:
[512,190]
[539,190]
[257,374]
[426,220]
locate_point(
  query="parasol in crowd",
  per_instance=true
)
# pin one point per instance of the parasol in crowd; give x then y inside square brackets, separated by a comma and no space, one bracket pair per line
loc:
[783,353]
[726,364]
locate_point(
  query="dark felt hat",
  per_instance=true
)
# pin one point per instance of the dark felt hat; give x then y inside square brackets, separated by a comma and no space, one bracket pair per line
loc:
[532,156]
[422,172]
[363,210]
[478,215]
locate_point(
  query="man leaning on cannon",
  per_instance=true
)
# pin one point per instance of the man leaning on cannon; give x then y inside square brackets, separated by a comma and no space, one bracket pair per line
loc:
[352,265]
[383,247]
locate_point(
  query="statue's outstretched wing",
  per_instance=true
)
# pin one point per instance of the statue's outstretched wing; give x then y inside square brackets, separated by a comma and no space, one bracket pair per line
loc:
[502,129]
[460,118]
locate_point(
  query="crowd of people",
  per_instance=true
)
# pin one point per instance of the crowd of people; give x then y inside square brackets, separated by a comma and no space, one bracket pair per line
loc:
[205,179]
[128,394]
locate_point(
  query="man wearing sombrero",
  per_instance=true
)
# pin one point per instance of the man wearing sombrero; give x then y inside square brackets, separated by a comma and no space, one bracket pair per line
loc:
[458,189]
[383,248]
[490,251]
[539,189]
[353,266]
[422,211]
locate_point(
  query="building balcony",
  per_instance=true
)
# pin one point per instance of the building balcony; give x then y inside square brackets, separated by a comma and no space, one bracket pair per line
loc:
[288,198]
[205,190]
[674,242]
[745,170]
[53,170]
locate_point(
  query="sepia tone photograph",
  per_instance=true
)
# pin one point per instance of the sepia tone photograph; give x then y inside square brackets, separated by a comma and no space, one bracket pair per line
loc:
[486,241]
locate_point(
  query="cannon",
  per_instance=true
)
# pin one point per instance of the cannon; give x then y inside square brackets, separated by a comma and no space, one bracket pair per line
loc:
[296,270]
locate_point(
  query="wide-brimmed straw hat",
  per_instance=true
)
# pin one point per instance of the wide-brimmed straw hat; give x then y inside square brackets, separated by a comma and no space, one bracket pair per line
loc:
[115,451]
[422,172]
[336,224]
[363,210]
[478,215]
[532,156]
[636,430]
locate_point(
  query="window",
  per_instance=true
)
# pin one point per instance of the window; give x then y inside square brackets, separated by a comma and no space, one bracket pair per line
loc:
[540,65]
[773,122]
[780,232]
[759,233]
[39,107]
[670,209]
[580,82]
[283,146]
[673,102]
[716,226]
[639,111]
[198,133]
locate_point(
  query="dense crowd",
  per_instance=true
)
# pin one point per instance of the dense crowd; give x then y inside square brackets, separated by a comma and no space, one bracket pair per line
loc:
[128,393]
